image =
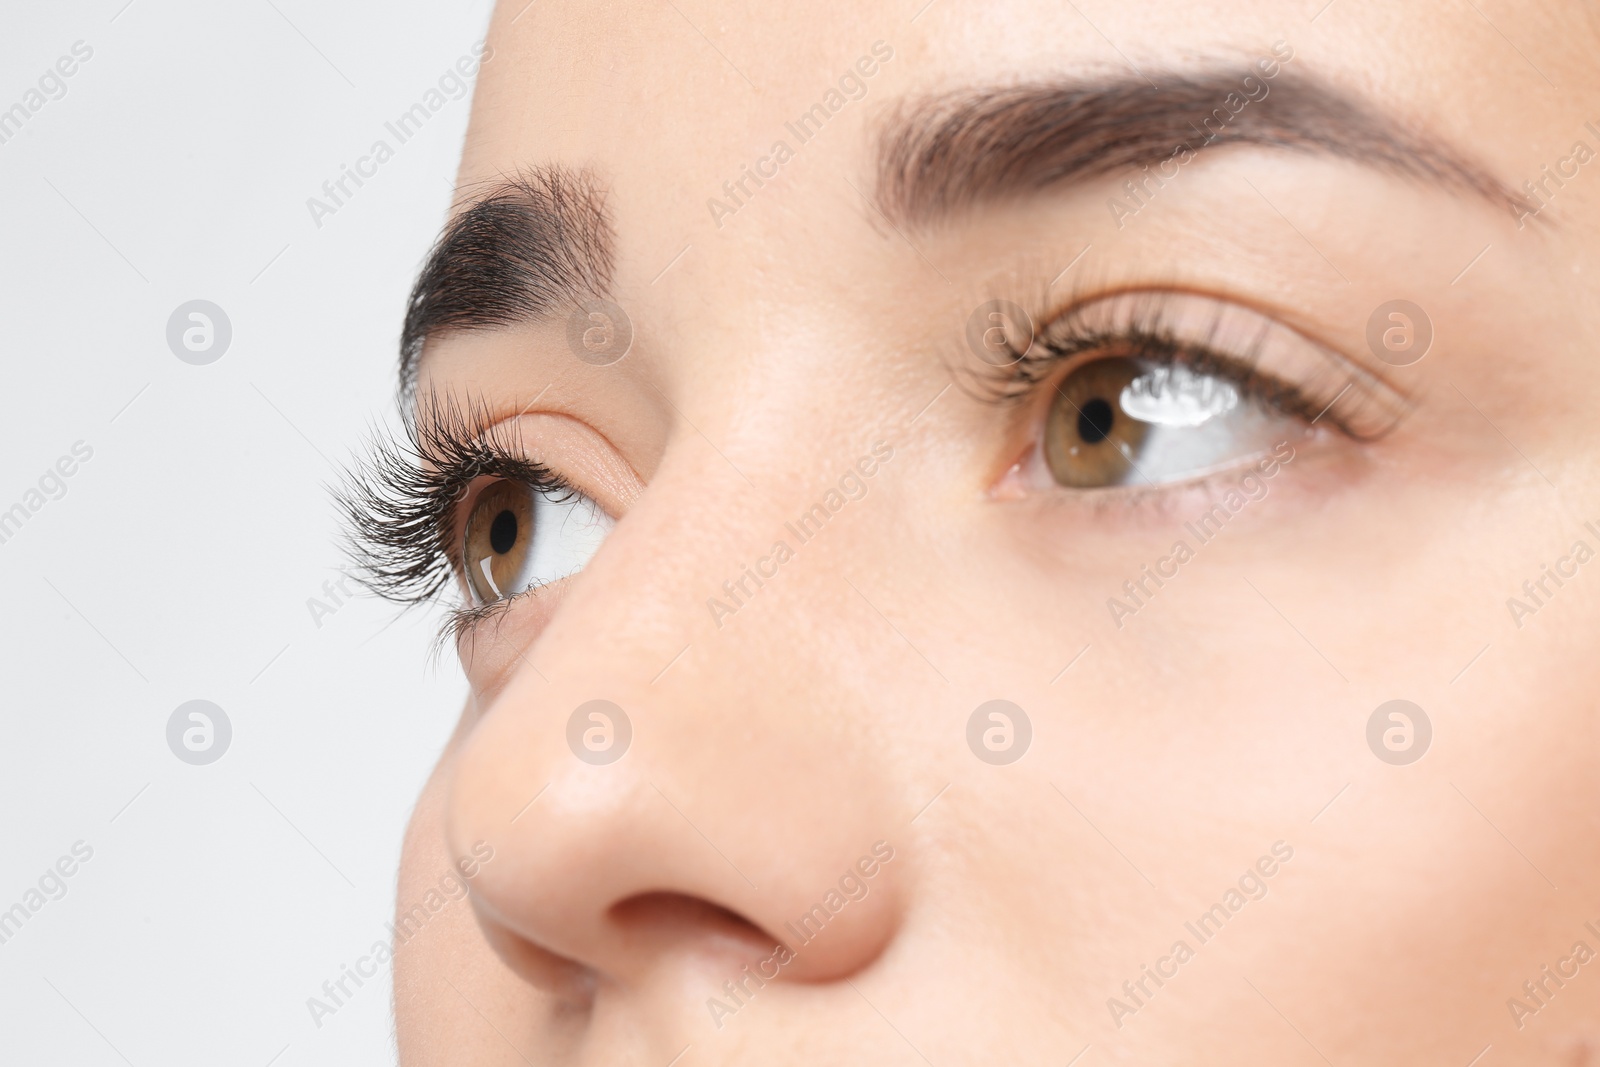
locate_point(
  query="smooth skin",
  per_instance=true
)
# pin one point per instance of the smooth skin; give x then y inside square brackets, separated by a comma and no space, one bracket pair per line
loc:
[1171,754]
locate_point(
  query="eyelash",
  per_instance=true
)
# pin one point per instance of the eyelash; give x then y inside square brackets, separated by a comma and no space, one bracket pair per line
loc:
[402,504]
[1146,333]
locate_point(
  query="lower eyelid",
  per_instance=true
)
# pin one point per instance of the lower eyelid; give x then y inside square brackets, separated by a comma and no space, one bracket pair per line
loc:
[530,608]
[1171,505]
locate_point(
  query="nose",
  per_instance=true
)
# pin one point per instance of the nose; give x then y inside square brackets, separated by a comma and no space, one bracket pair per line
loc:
[663,794]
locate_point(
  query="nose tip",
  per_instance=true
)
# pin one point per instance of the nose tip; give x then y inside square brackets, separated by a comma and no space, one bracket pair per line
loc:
[761,856]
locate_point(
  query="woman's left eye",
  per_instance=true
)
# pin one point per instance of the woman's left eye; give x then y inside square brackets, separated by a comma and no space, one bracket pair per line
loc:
[1125,420]
[518,538]
[1157,387]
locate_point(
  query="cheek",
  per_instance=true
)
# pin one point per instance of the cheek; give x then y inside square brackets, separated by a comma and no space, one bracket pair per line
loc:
[491,654]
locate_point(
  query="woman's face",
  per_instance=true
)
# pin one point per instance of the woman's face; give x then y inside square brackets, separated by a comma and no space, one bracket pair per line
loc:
[1042,440]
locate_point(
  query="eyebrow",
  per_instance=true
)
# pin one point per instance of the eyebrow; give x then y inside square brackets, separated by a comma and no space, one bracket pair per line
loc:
[528,244]
[942,154]
[544,236]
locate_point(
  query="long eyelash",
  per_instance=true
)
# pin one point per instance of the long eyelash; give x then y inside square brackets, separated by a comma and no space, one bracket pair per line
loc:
[1064,339]
[1147,332]
[400,503]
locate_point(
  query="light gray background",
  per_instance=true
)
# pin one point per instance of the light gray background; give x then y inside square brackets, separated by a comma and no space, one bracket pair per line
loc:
[179,563]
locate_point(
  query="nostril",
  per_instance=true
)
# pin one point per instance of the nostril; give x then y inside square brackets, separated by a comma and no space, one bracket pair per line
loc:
[602,880]
[570,983]
[660,922]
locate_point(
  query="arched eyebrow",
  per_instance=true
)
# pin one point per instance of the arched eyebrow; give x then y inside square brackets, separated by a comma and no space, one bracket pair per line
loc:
[940,155]
[526,245]
[544,236]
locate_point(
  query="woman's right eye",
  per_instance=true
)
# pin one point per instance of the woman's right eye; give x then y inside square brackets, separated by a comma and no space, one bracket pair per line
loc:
[518,538]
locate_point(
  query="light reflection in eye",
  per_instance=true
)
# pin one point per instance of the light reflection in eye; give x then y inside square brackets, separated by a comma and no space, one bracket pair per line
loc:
[1165,387]
[1177,396]
[518,538]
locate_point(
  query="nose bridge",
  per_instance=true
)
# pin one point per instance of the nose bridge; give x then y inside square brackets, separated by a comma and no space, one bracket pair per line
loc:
[693,726]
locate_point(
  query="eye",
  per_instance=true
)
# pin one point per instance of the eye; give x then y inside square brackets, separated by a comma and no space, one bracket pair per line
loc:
[1157,387]
[1123,420]
[518,538]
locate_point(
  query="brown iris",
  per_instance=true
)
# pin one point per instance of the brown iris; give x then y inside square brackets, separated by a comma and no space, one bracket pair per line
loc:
[498,540]
[1089,441]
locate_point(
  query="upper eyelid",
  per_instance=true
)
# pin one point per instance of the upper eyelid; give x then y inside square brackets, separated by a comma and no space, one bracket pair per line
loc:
[400,502]
[614,481]
[494,463]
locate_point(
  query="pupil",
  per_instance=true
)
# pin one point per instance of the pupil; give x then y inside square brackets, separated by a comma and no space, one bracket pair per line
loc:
[1094,421]
[503,532]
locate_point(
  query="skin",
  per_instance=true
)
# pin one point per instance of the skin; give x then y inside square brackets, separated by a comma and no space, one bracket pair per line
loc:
[772,751]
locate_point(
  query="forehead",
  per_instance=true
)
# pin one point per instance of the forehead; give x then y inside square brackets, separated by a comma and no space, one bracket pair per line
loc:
[687,92]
